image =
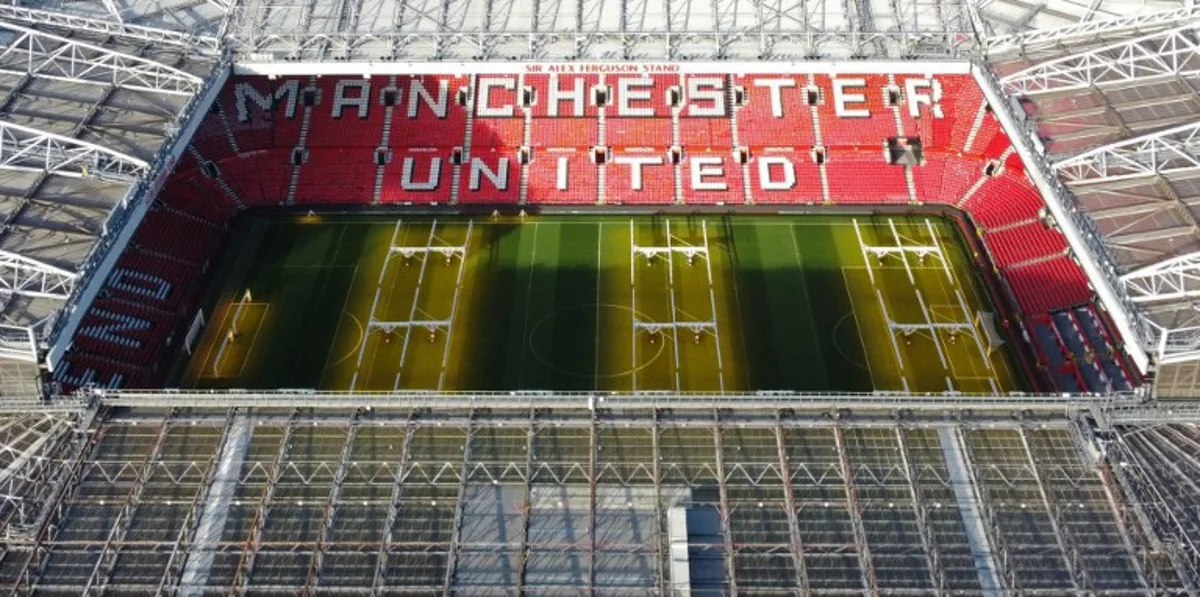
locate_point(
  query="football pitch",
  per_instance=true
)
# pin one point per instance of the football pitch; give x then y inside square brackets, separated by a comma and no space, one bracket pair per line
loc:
[678,303]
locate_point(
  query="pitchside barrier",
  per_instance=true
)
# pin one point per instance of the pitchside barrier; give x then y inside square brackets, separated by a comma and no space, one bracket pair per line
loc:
[611,401]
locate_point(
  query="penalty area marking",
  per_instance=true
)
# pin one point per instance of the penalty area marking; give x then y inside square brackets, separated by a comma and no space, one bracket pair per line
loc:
[353,349]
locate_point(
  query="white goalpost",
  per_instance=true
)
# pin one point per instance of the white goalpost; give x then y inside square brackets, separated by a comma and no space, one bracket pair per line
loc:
[930,325]
[232,331]
[434,248]
[698,328]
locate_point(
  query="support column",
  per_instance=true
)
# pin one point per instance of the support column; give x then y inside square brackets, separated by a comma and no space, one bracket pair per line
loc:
[463,473]
[727,535]
[789,495]
[398,477]
[966,495]
[245,567]
[870,581]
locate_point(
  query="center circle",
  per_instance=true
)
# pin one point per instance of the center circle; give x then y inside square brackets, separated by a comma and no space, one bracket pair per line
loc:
[542,351]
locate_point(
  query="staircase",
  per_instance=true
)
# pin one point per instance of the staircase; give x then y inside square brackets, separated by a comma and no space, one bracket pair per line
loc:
[527,142]
[384,141]
[466,148]
[971,191]
[220,178]
[304,126]
[816,123]
[600,141]
[732,111]
[911,183]
[975,126]
[676,142]
[228,129]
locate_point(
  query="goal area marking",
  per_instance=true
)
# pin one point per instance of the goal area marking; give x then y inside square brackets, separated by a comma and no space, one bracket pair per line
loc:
[930,325]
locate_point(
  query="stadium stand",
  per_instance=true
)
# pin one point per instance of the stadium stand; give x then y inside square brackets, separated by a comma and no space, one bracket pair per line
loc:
[667,139]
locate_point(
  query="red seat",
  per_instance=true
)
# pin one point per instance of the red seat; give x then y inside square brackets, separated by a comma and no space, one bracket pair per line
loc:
[640,177]
[562,176]
[784,176]
[864,177]
[775,113]
[417,176]
[712,177]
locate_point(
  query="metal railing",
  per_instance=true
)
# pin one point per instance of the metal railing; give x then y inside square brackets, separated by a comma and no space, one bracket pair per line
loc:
[603,401]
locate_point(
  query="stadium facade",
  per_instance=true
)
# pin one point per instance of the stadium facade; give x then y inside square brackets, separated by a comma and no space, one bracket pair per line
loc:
[132,134]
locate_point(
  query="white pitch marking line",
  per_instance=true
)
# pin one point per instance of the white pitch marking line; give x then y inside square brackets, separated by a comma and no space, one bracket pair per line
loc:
[941,254]
[258,328]
[462,266]
[903,254]
[933,333]
[862,247]
[362,348]
[599,275]
[528,299]
[712,301]
[887,321]
[412,313]
[671,293]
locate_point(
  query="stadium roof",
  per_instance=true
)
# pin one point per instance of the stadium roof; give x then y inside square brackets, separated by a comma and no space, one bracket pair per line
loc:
[104,88]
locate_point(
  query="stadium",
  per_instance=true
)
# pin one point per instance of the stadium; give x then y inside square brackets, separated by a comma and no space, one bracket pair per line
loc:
[600,298]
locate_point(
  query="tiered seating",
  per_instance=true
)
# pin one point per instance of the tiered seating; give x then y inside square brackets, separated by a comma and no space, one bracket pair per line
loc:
[712,177]
[639,96]
[787,177]
[577,184]
[125,330]
[560,96]
[1052,355]
[427,114]
[199,195]
[621,133]
[961,102]
[926,98]
[1107,355]
[357,119]
[261,177]
[496,133]
[705,133]
[212,137]
[79,369]
[337,175]
[1084,356]
[1004,200]
[476,184]
[866,94]
[149,278]
[1019,244]
[990,141]
[428,177]
[1049,285]
[864,177]
[945,179]
[704,96]
[184,237]
[657,184]
[758,122]
[563,132]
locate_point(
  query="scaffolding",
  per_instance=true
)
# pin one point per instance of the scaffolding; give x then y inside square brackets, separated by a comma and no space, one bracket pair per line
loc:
[504,500]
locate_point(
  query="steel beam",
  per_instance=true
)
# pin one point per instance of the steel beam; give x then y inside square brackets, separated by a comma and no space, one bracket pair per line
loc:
[1169,53]
[1085,31]
[51,56]
[32,150]
[34,17]
[1170,151]
[250,549]
[1174,279]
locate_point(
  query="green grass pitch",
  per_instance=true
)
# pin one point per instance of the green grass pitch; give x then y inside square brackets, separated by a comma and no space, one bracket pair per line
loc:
[701,303]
